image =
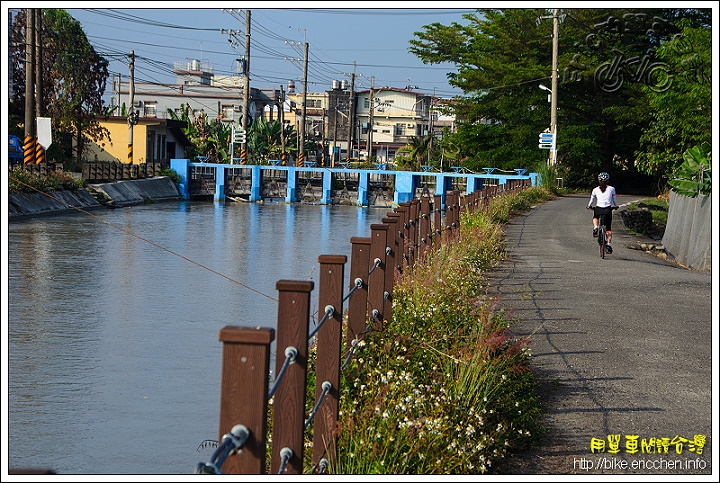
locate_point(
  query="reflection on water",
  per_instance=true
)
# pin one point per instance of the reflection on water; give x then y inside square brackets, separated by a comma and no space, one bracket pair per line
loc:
[113,354]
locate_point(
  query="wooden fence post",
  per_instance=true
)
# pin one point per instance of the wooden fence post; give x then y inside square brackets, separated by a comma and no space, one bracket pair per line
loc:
[425,236]
[394,242]
[390,251]
[243,393]
[329,336]
[438,231]
[289,398]
[357,303]
[404,211]
[376,279]
[413,230]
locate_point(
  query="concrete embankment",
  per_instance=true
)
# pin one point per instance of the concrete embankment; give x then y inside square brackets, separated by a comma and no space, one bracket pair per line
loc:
[121,193]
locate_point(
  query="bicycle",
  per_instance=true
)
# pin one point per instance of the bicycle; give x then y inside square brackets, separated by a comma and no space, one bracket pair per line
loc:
[602,233]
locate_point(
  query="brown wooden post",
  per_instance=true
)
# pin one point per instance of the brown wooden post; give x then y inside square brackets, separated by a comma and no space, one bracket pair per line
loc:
[376,279]
[329,336]
[390,265]
[425,236]
[402,211]
[357,303]
[449,213]
[395,240]
[243,393]
[438,229]
[456,213]
[289,398]
[413,230]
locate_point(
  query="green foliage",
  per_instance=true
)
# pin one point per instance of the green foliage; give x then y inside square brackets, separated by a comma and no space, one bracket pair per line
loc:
[170,173]
[21,180]
[502,55]
[503,208]
[693,176]
[265,141]
[446,388]
[209,137]
[74,79]
[679,117]
[658,208]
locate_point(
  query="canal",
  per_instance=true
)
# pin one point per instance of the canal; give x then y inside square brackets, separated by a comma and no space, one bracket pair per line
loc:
[113,358]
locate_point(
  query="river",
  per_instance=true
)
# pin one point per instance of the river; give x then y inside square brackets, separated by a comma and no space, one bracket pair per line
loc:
[113,358]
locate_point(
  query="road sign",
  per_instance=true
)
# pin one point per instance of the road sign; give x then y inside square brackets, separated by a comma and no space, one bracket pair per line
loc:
[546,140]
[44,131]
[239,136]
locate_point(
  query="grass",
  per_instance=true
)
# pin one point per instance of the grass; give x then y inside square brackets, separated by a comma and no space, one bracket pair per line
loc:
[658,208]
[446,388]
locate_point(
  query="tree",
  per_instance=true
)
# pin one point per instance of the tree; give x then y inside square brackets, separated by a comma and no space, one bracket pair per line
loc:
[209,138]
[74,79]
[264,139]
[681,114]
[604,84]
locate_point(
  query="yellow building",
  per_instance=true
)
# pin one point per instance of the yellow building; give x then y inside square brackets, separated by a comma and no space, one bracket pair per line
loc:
[154,140]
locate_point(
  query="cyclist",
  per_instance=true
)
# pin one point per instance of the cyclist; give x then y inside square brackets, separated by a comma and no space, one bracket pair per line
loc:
[605,201]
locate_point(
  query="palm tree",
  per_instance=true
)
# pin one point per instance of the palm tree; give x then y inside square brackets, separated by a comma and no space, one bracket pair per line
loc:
[419,150]
[265,141]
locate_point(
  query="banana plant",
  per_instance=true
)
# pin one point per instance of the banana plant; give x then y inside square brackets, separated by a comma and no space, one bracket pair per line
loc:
[693,176]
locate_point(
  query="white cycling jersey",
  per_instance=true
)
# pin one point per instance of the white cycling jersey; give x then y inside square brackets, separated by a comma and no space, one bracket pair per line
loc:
[603,199]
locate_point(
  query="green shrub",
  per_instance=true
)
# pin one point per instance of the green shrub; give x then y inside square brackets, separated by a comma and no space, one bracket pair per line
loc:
[21,180]
[170,173]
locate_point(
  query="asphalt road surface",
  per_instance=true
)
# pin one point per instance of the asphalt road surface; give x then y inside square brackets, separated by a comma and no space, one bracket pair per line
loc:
[621,346]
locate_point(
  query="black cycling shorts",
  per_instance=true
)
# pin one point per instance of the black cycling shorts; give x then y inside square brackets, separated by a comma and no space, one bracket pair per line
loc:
[608,215]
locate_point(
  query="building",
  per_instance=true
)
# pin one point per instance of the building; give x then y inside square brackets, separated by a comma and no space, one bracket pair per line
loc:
[382,120]
[155,140]
[396,116]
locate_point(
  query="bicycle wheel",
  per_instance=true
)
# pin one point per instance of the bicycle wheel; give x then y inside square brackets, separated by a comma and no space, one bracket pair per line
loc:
[602,240]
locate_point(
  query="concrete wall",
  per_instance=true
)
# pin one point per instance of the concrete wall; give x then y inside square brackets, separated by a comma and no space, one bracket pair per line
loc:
[122,193]
[26,204]
[688,233]
[134,192]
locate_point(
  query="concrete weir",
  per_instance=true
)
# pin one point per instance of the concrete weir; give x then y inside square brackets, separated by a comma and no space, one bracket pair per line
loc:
[361,187]
[122,193]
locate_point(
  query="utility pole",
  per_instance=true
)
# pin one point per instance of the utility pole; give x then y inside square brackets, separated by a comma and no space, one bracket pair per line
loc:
[246,89]
[117,102]
[29,142]
[351,113]
[281,115]
[370,117]
[334,147]
[553,86]
[432,121]
[132,117]
[39,97]
[301,148]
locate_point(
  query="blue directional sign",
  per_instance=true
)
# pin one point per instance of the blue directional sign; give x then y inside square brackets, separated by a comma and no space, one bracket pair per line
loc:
[546,140]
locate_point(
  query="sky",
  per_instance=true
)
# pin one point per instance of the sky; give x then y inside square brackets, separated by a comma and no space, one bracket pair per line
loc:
[371,41]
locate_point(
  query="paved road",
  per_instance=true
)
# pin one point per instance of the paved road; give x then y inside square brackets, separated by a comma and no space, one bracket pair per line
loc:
[621,345]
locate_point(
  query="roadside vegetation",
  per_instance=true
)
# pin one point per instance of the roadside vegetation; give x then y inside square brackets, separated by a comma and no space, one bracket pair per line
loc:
[21,180]
[658,208]
[446,388]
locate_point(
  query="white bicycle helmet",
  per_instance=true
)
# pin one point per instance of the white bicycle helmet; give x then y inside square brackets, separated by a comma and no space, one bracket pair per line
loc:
[603,176]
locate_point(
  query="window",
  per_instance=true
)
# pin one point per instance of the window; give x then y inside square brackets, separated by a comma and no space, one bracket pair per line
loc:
[161,147]
[228,112]
[150,109]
